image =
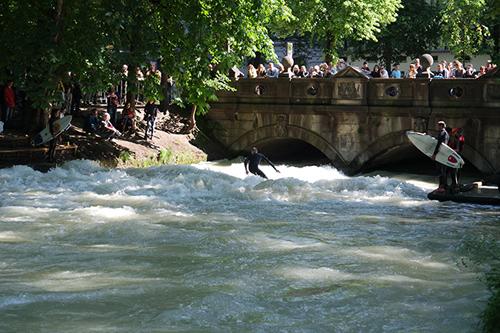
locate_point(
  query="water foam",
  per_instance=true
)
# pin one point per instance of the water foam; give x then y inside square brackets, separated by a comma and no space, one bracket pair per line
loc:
[192,241]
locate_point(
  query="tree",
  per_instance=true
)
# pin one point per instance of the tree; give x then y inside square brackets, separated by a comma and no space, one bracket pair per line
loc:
[45,41]
[202,40]
[463,28]
[415,31]
[491,19]
[133,31]
[335,21]
[197,41]
[93,39]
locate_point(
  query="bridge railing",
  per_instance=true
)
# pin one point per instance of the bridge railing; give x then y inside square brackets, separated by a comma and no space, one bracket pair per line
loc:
[456,93]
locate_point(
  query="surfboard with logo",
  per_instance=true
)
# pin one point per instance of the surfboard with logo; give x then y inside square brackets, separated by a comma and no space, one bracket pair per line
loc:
[426,144]
[45,135]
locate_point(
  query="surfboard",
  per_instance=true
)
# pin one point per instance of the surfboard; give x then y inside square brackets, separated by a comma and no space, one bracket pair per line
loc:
[45,135]
[426,144]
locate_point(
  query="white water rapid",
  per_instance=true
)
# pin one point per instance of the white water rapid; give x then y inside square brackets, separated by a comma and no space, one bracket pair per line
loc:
[206,248]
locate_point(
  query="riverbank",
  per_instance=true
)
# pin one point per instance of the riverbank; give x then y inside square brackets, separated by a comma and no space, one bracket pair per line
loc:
[166,147]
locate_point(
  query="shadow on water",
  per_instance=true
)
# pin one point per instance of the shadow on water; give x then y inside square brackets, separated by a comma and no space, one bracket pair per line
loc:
[293,152]
[405,160]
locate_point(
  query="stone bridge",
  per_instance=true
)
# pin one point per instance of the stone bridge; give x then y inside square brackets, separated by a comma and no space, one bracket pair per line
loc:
[356,122]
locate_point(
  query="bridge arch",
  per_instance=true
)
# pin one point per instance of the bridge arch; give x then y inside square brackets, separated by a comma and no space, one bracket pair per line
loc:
[397,141]
[266,134]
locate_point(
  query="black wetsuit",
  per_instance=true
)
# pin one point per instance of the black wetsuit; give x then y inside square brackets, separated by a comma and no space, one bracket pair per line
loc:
[443,137]
[253,161]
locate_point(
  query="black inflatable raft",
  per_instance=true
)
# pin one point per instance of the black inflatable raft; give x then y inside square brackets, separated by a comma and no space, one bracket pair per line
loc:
[482,195]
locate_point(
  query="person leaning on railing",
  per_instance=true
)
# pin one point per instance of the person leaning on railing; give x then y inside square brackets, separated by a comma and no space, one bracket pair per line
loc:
[252,72]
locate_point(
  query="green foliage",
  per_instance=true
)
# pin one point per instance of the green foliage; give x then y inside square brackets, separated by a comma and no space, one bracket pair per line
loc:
[195,41]
[463,28]
[165,156]
[334,21]
[491,19]
[125,156]
[203,38]
[415,31]
[152,87]
[46,40]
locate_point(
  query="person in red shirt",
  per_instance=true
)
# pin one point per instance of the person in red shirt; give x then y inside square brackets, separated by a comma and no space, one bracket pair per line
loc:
[457,142]
[10,100]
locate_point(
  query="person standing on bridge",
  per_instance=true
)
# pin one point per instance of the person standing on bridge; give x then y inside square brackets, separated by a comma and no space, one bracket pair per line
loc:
[252,163]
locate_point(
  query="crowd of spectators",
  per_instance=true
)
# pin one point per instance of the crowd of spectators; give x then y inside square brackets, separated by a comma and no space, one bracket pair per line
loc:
[11,99]
[442,70]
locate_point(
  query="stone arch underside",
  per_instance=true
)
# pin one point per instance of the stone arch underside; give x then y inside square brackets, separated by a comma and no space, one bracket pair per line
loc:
[398,140]
[267,133]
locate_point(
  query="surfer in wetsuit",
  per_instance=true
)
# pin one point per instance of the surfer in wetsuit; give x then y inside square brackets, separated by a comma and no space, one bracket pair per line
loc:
[443,137]
[252,163]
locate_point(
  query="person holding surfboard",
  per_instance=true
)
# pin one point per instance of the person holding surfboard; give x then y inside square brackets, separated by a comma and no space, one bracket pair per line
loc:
[443,137]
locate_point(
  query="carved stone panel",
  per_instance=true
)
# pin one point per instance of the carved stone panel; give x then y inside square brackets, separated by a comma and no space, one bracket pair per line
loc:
[281,128]
[420,124]
[493,91]
[348,90]
[255,123]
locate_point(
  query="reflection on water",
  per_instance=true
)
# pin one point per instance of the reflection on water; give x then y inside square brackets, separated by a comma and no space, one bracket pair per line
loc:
[205,248]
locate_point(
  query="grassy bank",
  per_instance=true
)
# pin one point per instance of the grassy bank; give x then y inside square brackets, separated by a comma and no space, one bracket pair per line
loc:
[164,156]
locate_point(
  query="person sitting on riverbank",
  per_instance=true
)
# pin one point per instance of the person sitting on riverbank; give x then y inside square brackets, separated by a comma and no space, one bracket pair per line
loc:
[127,123]
[252,161]
[92,122]
[107,130]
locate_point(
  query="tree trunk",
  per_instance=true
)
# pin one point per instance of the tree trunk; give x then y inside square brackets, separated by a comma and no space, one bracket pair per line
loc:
[166,90]
[59,19]
[132,88]
[192,118]
[387,57]
[328,49]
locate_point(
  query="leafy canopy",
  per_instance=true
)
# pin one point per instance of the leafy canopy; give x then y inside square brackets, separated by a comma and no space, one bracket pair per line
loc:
[415,31]
[335,21]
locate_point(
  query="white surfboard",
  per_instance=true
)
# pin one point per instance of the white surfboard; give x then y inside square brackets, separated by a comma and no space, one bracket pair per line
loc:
[45,136]
[426,144]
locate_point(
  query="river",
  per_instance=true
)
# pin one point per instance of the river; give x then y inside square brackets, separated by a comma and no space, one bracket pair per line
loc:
[203,248]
